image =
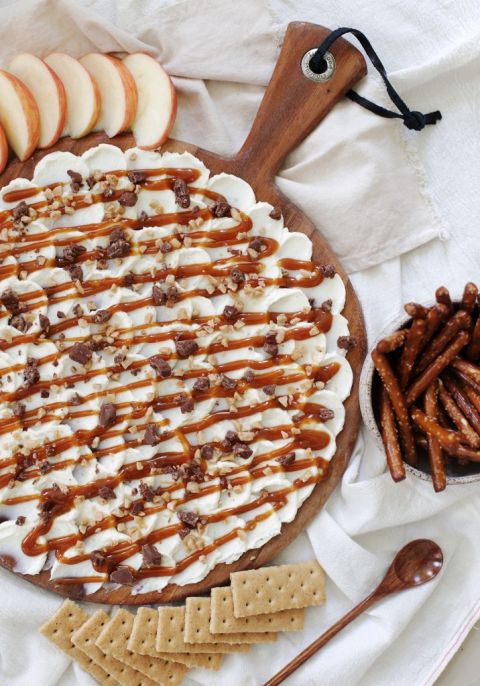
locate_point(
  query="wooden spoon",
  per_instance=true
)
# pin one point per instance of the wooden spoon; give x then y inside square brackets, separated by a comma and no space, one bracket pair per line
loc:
[415,564]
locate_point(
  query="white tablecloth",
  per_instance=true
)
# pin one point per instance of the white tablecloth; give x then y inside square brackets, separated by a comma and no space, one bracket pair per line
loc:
[401,191]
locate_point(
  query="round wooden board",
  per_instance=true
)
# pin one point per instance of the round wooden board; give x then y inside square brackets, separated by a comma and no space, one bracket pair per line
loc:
[256,163]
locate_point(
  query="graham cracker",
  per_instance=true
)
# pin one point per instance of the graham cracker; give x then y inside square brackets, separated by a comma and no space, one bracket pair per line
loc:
[222,620]
[113,641]
[85,637]
[271,589]
[171,625]
[144,635]
[59,629]
[197,626]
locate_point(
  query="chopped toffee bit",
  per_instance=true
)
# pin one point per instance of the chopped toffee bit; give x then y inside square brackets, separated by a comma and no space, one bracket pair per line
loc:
[127,199]
[270,346]
[172,295]
[269,389]
[276,213]
[151,437]
[172,470]
[228,383]
[326,306]
[242,450]
[120,358]
[201,384]
[98,558]
[230,314]
[20,520]
[190,519]
[256,244]
[231,437]
[129,279]
[166,247]
[237,275]
[76,399]
[151,555]
[137,507]
[44,393]
[80,352]
[193,472]
[182,194]
[206,451]
[76,272]
[11,301]
[44,324]
[184,531]
[327,270]
[20,210]
[161,366]
[31,375]
[186,348]
[106,493]
[77,180]
[122,575]
[19,322]
[346,342]
[108,193]
[108,415]
[186,405]
[101,316]
[325,414]
[19,409]
[286,460]
[71,254]
[136,176]
[220,208]
[146,491]
[249,376]
[118,246]
[158,296]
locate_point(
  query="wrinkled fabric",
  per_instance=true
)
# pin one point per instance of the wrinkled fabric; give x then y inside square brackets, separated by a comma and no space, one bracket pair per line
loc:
[380,195]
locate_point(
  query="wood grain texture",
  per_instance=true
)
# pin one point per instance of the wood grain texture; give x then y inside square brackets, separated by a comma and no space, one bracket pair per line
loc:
[291,108]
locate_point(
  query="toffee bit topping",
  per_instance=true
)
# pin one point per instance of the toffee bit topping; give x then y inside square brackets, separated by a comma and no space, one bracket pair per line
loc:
[101,316]
[228,383]
[76,272]
[269,389]
[242,451]
[108,415]
[257,244]
[286,460]
[137,507]
[106,493]
[237,275]
[76,399]
[186,405]
[98,558]
[77,180]
[19,322]
[147,493]
[71,254]
[201,384]
[11,301]
[325,414]
[327,270]
[31,375]
[158,296]
[270,346]
[20,520]
[346,342]
[186,348]
[166,247]
[44,324]
[221,208]
[122,575]
[118,245]
[230,314]
[249,376]
[128,199]
[80,352]
[190,519]
[136,176]
[231,437]
[151,555]
[128,279]
[20,210]
[276,213]
[182,194]
[206,451]
[19,409]
[151,437]
[161,366]
[326,306]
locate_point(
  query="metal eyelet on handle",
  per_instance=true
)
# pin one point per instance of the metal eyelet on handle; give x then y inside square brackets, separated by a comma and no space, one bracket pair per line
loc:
[325,75]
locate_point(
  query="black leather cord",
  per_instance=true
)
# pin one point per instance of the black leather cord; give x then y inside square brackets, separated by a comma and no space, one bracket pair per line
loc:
[411,118]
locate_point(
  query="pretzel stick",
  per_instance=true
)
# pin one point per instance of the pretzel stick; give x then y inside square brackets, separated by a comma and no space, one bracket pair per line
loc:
[458,418]
[468,368]
[459,321]
[416,311]
[435,454]
[436,368]
[463,401]
[410,350]
[436,316]
[461,452]
[467,381]
[473,350]
[446,437]
[390,438]
[469,297]
[392,342]
[385,372]
[472,396]
[443,296]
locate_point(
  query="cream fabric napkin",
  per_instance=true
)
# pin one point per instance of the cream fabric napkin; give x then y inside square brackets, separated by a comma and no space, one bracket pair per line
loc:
[359,177]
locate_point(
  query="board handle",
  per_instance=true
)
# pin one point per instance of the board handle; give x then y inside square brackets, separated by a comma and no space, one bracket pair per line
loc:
[294,104]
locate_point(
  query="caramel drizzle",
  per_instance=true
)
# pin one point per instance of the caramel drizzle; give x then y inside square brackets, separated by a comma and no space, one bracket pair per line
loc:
[221,268]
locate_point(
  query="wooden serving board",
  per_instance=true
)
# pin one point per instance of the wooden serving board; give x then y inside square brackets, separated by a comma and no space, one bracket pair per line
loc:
[292,106]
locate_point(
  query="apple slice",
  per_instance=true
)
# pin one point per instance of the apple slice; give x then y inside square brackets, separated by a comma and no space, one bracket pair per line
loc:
[18,115]
[118,92]
[49,94]
[157,100]
[3,150]
[83,98]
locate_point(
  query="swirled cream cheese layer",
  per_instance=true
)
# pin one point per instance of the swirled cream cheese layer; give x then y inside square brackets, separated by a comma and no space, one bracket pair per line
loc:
[172,369]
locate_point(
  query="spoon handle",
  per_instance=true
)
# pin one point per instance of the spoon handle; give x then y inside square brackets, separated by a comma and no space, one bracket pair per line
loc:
[321,640]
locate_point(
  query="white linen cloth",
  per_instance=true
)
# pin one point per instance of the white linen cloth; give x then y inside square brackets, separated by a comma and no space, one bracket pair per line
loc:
[361,180]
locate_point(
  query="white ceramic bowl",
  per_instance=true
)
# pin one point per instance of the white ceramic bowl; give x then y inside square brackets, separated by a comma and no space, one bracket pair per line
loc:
[460,474]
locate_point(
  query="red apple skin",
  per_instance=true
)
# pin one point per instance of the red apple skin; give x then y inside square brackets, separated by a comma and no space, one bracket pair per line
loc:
[3,150]
[63,108]
[29,106]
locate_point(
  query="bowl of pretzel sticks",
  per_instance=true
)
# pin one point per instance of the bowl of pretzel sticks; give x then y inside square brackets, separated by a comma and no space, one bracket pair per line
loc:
[421,390]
